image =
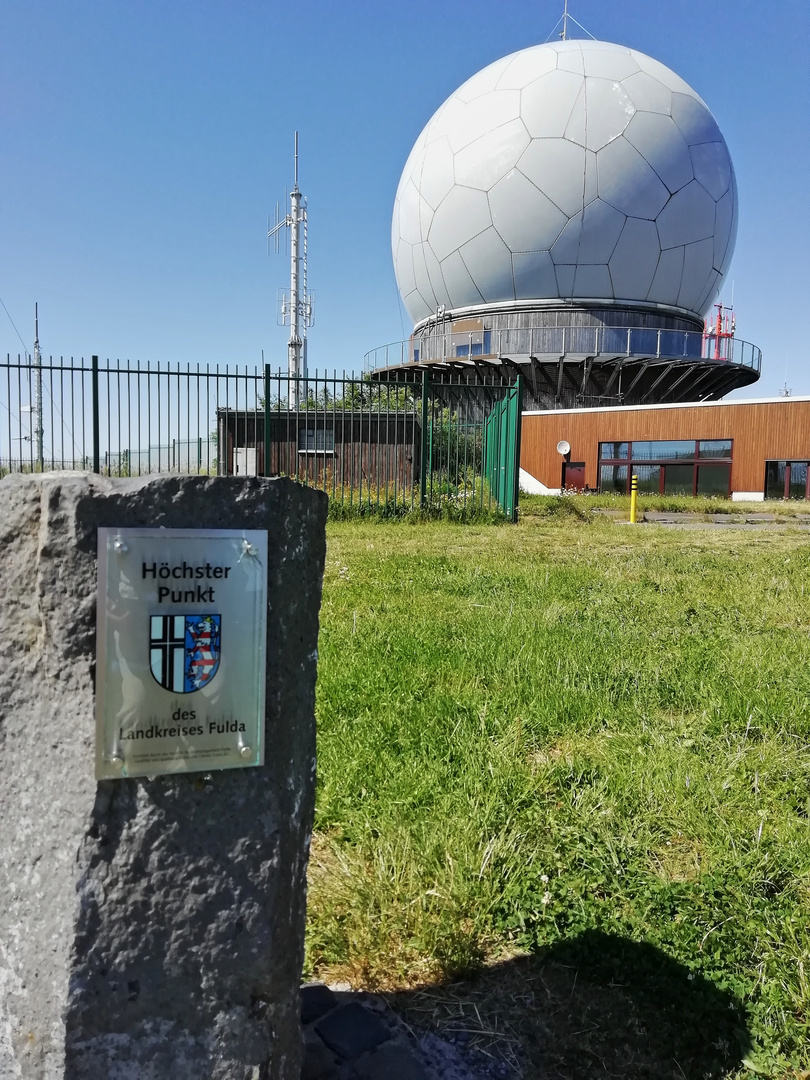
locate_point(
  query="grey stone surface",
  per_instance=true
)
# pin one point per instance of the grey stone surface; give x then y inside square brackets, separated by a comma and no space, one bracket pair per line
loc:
[148,928]
[391,1060]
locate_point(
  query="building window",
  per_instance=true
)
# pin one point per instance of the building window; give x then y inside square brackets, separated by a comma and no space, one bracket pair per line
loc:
[786,480]
[663,451]
[682,466]
[476,348]
[316,440]
[798,480]
[713,480]
[679,479]
[613,478]
[714,448]
[649,479]
[611,450]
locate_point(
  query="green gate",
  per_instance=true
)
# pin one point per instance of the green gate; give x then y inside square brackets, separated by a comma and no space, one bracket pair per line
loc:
[502,450]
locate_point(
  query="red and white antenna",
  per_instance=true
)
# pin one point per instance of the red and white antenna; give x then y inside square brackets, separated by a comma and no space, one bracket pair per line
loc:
[718,333]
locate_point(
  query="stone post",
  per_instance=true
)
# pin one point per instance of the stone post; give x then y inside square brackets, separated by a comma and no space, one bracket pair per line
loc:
[150,929]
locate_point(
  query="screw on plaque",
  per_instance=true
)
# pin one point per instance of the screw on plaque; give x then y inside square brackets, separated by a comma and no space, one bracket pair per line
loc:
[246,751]
[248,549]
[119,545]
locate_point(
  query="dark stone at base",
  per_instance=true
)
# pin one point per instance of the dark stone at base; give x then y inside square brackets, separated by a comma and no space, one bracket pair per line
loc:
[319,1062]
[316,1000]
[351,1030]
[361,1038]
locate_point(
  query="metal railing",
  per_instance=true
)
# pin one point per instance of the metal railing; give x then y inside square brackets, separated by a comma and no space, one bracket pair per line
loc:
[368,444]
[607,342]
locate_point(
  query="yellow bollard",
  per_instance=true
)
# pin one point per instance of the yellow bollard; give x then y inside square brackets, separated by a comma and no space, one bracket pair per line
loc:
[633,498]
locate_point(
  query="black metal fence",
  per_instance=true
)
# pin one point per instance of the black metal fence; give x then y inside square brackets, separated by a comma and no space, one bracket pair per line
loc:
[368,444]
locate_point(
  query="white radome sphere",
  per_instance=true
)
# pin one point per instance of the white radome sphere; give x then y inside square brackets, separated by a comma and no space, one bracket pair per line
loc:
[576,170]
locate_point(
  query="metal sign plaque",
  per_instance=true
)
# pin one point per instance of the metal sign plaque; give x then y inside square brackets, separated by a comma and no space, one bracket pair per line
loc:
[180,658]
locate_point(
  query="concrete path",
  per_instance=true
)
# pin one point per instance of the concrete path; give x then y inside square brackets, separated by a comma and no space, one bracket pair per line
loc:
[800,522]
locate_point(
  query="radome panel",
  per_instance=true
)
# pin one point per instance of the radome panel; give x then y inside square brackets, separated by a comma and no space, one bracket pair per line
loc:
[572,170]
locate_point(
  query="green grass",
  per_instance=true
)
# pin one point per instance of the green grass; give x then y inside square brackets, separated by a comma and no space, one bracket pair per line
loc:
[532,735]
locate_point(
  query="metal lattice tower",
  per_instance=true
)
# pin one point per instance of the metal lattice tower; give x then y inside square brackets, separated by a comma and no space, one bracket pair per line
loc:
[295,306]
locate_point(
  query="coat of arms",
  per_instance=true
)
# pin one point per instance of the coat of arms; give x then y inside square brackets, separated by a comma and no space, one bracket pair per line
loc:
[184,651]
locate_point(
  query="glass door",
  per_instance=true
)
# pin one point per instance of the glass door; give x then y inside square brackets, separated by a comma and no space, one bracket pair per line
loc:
[797,481]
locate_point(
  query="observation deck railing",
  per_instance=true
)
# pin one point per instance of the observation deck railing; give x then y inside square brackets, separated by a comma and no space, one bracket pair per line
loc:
[546,342]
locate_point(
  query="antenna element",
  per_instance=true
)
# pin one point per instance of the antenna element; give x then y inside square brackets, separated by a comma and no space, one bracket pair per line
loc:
[38,380]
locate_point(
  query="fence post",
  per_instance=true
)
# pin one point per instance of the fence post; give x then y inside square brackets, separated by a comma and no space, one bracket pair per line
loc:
[423,457]
[265,471]
[96,435]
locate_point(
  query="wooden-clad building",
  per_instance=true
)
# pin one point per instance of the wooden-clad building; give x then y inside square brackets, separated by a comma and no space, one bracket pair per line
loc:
[322,447]
[740,449]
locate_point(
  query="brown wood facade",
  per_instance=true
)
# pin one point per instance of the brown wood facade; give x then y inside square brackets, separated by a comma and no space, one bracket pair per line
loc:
[761,431]
[326,449]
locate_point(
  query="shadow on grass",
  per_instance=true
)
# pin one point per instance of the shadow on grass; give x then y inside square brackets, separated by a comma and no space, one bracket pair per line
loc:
[595,1005]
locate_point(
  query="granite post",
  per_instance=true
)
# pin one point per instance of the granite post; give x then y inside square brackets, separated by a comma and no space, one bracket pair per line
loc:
[150,929]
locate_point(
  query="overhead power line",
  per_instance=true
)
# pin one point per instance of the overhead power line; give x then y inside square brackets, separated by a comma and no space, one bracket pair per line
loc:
[16,331]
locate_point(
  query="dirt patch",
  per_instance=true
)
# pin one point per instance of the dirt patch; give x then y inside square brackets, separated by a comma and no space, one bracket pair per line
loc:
[626,1011]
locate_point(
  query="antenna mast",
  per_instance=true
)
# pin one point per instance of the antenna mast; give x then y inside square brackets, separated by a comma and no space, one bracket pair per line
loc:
[294,346]
[564,34]
[298,305]
[38,388]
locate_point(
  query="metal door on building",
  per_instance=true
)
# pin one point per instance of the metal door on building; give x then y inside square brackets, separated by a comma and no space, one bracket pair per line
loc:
[573,478]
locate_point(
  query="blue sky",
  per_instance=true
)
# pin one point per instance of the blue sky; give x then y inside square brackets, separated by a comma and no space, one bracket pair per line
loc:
[144,144]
